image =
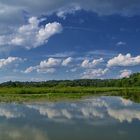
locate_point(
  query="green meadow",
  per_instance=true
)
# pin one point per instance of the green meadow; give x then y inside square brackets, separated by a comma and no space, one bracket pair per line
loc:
[26,94]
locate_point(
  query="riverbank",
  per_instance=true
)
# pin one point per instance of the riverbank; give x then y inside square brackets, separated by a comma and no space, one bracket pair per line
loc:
[26,94]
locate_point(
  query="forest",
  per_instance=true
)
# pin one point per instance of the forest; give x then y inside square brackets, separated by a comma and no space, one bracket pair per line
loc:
[132,81]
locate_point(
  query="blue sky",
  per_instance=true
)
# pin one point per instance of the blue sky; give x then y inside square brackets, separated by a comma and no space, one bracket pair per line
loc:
[45,40]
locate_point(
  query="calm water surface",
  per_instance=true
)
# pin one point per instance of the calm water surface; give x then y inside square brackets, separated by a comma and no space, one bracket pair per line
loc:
[103,118]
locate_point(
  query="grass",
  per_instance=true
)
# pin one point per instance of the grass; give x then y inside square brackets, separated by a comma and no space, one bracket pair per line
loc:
[61,93]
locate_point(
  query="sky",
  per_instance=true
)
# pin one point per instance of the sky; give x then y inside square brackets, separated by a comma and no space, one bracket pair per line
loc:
[74,39]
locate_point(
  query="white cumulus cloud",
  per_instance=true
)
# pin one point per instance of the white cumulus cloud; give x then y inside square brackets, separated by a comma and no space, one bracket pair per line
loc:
[31,35]
[67,61]
[124,60]
[94,73]
[87,64]
[49,65]
[125,73]
[51,62]
[8,61]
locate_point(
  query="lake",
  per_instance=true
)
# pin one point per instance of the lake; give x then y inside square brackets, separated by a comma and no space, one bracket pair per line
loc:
[95,118]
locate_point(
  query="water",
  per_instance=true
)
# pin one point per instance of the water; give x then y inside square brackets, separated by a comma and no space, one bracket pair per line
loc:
[108,118]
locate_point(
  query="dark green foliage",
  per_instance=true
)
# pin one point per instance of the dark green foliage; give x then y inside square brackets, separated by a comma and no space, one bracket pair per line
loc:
[132,81]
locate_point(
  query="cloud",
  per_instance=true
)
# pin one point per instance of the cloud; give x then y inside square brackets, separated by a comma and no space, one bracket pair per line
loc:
[73,70]
[94,73]
[124,60]
[51,62]
[30,69]
[9,60]
[49,65]
[62,12]
[125,73]
[45,66]
[46,70]
[31,35]
[90,70]
[14,13]
[105,7]
[66,61]
[61,55]
[105,53]
[87,64]
[121,43]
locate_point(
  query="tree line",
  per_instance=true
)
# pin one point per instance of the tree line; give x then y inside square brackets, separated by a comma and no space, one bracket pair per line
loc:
[132,81]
